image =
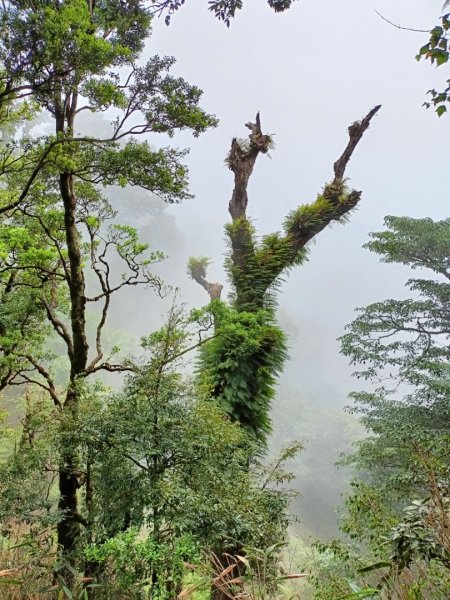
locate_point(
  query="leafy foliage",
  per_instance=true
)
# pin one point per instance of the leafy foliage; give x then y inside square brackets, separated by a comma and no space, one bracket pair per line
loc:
[399,510]
[27,474]
[239,366]
[437,52]
[224,10]
[178,447]
[130,565]
[168,478]
[412,539]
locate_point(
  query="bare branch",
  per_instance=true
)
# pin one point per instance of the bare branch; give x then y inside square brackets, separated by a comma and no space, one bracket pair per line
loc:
[58,326]
[111,368]
[103,278]
[400,27]
[46,375]
[355,131]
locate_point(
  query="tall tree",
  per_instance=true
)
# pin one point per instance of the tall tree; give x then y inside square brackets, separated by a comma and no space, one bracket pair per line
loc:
[66,58]
[397,511]
[240,365]
[409,337]
[401,347]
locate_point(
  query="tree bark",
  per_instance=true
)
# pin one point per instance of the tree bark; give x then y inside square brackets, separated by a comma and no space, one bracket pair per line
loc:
[69,526]
[78,357]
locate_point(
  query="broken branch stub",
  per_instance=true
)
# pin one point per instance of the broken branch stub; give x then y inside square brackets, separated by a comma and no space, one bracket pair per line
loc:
[355,131]
[241,160]
[197,271]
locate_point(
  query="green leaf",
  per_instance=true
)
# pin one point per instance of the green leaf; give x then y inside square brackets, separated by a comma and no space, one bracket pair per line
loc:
[11,581]
[377,565]
[441,58]
[360,595]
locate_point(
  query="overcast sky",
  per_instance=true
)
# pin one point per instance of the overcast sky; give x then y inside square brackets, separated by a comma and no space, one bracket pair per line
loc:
[311,72]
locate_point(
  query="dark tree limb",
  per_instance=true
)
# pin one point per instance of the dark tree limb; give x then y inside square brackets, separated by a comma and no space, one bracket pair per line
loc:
[111,368]
[103,278]
[241,160]
[197,270]
[355,131]
[58,326]
[78,359]
[47,388]
[6,378]
[50,387]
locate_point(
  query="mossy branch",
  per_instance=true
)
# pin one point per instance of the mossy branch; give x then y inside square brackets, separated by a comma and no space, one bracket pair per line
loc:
[300,226]
[197,268]
[335,201]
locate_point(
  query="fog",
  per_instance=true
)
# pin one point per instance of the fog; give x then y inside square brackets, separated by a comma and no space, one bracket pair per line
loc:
[311,72]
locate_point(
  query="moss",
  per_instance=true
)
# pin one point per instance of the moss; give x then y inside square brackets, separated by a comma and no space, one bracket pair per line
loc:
[239,226]
[197,266]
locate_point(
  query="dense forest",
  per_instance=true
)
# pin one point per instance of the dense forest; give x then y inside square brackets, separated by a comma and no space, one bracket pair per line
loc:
[171,414]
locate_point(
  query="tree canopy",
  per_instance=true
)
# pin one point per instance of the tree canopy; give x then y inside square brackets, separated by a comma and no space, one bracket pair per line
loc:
[398,506]
[56,223]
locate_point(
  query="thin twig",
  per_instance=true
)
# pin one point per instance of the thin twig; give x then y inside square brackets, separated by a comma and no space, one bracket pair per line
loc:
[400,27]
